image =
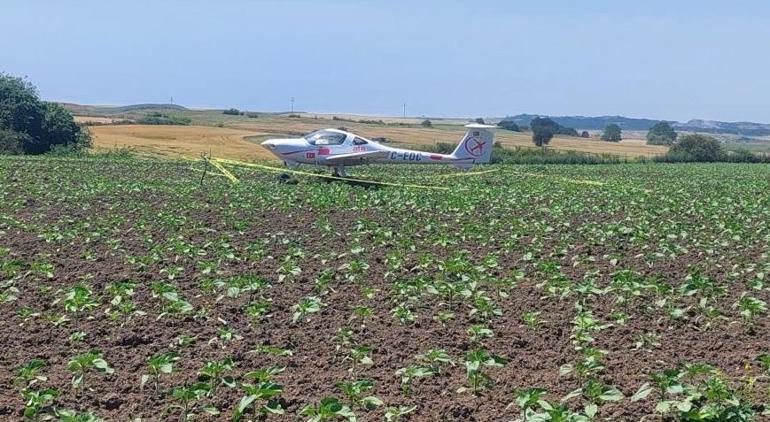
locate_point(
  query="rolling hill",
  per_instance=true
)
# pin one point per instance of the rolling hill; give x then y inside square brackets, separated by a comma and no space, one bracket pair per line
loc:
[628,123]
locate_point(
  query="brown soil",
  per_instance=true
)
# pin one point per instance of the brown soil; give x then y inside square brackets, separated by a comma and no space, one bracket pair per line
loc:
[316,364]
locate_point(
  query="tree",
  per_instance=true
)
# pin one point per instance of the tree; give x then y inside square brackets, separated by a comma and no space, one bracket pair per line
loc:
[585,134]
[479,120]
[612,133]
[661,133]
[543,130]
[427,123]
[696,148]
[31,126]
[11,142]
[509,125]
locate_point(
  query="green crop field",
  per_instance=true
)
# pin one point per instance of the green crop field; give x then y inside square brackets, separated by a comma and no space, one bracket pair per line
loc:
[142,289]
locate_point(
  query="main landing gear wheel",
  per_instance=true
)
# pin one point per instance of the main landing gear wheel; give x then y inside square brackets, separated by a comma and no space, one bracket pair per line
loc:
[339,171]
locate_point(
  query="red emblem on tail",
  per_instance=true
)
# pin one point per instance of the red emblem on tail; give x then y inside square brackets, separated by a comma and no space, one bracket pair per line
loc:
[474,147]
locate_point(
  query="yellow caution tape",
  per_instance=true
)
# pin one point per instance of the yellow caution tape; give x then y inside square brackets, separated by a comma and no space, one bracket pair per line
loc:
[208,173]
[563,179]
[224,171]
[472,173]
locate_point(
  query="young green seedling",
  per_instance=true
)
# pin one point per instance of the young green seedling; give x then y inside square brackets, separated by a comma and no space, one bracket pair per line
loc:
[214,373]
[355,392]
[528,399]
[261,395]
[257,311]
[750,307]
[272,350]
[81,364]
[478,332]
[443,317]
[409,373]
[37,404]
[65,415]
[475,360]
[328,409]
[188,399]
[77,299]
[531,319]
[360,355]
[404,314]
[308,305]
[435,358]
[26,376]
[157,366]
[394,414]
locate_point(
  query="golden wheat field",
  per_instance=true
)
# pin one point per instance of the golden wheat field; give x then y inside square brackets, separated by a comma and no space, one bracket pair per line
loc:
[178,141]
[451,134]
[239,139]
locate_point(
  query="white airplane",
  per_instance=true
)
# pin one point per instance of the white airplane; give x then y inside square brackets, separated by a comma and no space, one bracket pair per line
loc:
[338,149]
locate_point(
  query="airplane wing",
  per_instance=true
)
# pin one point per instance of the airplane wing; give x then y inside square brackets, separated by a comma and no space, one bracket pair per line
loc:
[356,157]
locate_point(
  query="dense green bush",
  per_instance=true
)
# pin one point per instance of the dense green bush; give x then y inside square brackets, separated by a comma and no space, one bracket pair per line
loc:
[661,134]
[443,148]
[11,142]
[612,133]
[32,126]
[702,148]
[697,148]
[548,156]
[232,112]
[543,130]
[509,125]
[426,123]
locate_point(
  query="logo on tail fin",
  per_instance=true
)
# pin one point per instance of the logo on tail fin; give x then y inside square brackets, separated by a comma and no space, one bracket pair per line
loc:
[474,146]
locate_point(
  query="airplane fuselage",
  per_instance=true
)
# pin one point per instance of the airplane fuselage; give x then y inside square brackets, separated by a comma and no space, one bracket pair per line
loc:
[338,149]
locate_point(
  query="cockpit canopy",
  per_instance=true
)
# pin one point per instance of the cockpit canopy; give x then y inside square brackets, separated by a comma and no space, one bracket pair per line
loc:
[325,137]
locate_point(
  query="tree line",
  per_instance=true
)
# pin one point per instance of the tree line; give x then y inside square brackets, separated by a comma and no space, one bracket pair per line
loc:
[688,148]
[31,126]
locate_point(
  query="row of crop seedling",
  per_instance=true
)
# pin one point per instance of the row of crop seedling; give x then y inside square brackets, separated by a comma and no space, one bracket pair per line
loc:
[692,392]
[261,393]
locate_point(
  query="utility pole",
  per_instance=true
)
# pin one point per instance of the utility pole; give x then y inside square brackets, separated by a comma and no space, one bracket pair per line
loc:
[172,99]
[404,110]
[292,104]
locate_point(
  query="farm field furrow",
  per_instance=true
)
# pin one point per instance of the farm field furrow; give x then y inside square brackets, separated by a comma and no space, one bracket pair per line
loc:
[138,289]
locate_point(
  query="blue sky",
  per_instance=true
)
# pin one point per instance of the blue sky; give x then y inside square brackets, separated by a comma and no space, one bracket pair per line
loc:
[660,59]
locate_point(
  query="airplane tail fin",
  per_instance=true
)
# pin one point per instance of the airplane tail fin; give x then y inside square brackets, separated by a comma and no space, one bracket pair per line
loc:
[476,146]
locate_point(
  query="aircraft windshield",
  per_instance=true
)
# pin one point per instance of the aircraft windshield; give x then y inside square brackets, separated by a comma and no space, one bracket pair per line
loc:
[325,137]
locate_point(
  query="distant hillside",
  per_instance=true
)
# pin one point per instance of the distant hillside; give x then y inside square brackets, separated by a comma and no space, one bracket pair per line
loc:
[588,123]
[737,128]
[627,123]
[91,110]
